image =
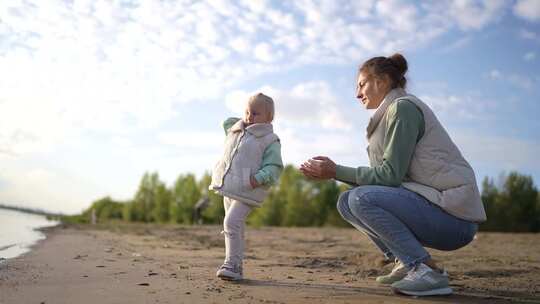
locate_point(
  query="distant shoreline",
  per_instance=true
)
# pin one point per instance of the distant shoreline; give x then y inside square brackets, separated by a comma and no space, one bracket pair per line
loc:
[31,210]
[7,246]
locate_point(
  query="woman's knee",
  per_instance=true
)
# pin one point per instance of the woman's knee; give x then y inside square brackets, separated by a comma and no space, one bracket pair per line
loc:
[352,202]
[360,196]
[342,204]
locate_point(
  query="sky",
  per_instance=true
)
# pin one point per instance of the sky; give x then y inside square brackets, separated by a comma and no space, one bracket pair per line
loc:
[93,94]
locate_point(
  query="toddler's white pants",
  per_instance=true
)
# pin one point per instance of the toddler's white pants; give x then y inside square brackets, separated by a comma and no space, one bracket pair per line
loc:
[234,223]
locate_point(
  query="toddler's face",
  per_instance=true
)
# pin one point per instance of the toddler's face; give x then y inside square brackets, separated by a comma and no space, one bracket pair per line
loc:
[256,112]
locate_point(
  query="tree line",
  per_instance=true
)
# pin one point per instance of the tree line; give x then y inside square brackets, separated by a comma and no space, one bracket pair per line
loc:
[512,205]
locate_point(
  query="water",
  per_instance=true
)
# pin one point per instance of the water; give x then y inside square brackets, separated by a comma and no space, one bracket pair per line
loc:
[17,232]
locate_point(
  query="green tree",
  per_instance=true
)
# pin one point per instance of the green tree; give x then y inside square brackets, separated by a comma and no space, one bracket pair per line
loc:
[489,198]
[536,225]
[143,205]
[298,193]
[518,199]
[105,209]
[333,218]
[215,212]
[272,210]
[185,195]
[324,200]
[514,208]
[128,212]
[162,197]
[297,201]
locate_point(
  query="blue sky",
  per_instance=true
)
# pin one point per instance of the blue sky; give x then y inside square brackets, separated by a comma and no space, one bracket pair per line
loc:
[95,93]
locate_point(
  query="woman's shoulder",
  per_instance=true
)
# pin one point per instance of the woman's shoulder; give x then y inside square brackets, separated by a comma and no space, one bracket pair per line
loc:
[404,107]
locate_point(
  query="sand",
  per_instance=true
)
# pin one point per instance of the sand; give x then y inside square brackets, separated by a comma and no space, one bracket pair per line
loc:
[135,263]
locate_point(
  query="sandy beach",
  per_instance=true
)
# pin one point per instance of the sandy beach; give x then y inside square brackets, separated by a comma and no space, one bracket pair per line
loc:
[135,263]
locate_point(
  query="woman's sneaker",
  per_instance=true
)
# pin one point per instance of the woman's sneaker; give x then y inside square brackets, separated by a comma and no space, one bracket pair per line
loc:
[229,273]
[423,281]
[398,273]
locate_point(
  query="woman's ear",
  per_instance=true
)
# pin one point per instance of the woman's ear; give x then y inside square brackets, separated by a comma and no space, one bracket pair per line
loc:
[382,83]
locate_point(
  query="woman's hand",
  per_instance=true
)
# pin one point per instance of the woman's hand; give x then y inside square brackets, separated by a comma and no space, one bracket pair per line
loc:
[319,167]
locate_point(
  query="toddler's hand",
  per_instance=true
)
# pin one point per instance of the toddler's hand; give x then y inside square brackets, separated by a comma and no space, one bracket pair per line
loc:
[253,182]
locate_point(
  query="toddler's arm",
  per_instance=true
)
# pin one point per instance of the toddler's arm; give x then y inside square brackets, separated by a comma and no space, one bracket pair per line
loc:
[228,123]
[271,168]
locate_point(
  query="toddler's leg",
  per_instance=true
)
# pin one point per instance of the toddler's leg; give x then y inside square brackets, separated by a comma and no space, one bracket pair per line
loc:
[227,202]
[233,229]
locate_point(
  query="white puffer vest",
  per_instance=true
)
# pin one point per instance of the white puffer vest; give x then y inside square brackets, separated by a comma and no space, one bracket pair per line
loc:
[437,170]
[244,149]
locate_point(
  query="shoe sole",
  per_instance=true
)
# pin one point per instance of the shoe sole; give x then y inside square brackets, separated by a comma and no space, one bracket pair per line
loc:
[387,281]
[433,292]
[225,278]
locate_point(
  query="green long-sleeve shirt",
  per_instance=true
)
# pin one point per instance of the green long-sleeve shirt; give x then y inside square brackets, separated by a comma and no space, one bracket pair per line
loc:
[272,164]
[404,127]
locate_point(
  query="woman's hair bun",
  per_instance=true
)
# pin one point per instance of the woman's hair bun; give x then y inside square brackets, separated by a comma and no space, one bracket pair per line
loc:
[399,62]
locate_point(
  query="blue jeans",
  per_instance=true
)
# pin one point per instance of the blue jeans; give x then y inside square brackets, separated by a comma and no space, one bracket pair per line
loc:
[401,223]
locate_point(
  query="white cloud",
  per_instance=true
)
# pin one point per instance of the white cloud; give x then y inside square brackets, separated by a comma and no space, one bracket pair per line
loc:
[191,139]
[521,81]
[236,101]
[258,6]
[117,68]
[286,20]
[529,35]
[499,151]
[476,14]
[528,10]
[61,191]
[495,74]
[529,56]
[345,148]
[458,44]
[404,21]
[122,142]
[362,9]
[467,106]
[240,45]
[263,52]
[309,104]
[516,80]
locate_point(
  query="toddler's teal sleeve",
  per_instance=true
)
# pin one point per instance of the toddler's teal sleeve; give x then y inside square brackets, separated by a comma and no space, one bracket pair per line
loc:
[272,165]
[228,123]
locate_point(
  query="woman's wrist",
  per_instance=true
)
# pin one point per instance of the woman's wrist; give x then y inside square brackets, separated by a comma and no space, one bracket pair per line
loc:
[346,174]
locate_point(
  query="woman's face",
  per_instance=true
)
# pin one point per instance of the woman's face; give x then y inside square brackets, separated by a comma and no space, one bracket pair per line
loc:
[371,90]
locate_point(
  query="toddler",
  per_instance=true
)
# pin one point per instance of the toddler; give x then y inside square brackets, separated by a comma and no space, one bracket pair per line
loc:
[250,163]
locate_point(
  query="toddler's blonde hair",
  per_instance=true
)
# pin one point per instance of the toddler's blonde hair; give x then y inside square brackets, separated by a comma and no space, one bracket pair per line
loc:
[266,100]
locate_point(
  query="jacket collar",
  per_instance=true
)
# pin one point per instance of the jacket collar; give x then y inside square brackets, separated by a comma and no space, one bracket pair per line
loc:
[258,129]
[381,110]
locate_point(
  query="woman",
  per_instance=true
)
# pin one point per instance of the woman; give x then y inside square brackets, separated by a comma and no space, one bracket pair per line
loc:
[418,191]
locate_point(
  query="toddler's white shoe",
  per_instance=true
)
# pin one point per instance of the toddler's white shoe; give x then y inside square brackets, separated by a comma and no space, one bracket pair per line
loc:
[229,273]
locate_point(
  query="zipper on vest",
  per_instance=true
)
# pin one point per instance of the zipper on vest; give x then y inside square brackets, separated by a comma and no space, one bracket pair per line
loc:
[232,157]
